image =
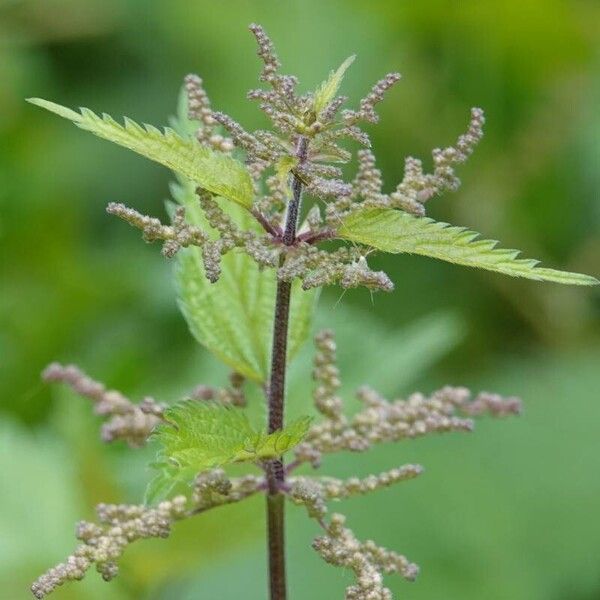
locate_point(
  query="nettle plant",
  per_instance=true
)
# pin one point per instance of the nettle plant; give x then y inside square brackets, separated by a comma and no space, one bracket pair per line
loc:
[248,273]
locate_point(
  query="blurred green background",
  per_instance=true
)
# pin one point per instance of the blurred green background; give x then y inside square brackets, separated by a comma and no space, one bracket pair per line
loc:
[511,511]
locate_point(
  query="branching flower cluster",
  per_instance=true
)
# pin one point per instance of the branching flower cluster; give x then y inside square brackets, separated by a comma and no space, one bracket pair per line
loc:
[368,561]
[103,544]
[416,187]
[449,409]
[176,236]
[127,421]
[304,146]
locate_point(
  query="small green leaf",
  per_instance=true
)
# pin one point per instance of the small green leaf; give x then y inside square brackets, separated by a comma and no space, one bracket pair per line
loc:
[197,436]
[328,89]
[214,171]
[396,231]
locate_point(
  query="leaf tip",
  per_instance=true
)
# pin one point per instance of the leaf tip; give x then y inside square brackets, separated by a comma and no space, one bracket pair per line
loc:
[589,280]
[58,109]
[349,61]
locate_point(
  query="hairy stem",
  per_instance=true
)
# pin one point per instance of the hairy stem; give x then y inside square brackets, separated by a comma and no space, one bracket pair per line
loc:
[276,398]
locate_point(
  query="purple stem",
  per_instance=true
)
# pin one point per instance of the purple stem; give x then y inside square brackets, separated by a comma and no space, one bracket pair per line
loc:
[276,396]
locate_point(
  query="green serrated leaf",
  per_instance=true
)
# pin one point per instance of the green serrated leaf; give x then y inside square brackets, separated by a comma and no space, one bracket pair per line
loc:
[233,317]
[396,231]
[214,171]
[328,89]
[197,436]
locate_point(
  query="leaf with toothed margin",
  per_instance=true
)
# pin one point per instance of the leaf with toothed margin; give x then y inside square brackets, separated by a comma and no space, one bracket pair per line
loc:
[399,232]
[196,436]
[328,89]
[212,170]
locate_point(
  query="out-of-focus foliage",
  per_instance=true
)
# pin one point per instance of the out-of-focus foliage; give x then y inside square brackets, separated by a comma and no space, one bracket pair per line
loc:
[509,512]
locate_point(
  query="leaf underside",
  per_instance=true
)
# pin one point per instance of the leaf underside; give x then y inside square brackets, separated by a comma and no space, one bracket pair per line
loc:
[214,171]
[399,232]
